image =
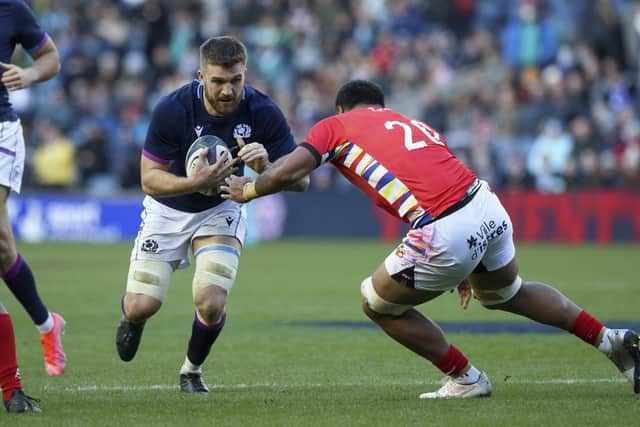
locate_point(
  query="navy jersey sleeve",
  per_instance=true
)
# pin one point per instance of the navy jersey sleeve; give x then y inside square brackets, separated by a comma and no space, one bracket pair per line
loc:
[163,140]
[29,34]
[275,133]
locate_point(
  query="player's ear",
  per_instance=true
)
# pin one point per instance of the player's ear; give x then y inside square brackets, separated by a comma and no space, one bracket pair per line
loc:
[200,76]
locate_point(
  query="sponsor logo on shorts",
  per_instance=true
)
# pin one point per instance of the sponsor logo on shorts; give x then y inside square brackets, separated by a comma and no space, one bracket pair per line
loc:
[400,251]
[229,220]
[488,231]
[149,245]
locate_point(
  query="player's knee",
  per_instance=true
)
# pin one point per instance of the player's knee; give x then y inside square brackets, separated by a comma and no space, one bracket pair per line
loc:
[210,311]
[216,265]
[497,298]
[148,279]
[375,306]
[138,307]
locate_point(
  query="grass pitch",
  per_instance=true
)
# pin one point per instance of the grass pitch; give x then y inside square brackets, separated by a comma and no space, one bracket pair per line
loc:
[267,369]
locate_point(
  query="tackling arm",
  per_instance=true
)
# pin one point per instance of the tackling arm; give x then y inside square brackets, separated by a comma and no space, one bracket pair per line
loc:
[289,172]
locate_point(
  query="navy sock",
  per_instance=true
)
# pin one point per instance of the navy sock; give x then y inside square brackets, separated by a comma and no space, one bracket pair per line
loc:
[21,283]
[202,339]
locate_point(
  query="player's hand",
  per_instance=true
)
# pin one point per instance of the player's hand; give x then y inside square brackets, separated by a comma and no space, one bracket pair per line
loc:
[15,77]
[232,189]
[465,293]
[213,176]
[253,155]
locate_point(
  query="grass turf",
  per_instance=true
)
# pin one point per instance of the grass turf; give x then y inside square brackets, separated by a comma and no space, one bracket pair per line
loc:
[266,369]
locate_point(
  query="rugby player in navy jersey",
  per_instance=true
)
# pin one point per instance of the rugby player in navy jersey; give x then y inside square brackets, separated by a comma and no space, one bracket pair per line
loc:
[178,218]
[18,26]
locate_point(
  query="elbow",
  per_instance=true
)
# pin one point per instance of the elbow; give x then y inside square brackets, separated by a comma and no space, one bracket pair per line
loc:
[302,184]
[146,189]
[294,182]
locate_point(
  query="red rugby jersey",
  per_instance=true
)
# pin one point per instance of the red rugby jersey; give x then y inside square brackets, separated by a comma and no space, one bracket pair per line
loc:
[401,163]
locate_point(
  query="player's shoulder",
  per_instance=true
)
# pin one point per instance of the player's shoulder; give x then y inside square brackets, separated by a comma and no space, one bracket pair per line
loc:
[178,102]
[15,6]
[258,101]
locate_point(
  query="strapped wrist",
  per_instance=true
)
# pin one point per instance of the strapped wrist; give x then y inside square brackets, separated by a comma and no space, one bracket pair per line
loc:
[249,191]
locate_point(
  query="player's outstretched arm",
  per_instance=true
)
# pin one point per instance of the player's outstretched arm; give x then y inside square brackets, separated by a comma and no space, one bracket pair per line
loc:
[256,157]
[158,181]
[46,64]
[288,170]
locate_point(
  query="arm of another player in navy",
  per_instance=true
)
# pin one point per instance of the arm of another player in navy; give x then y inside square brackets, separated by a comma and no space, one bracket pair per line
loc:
[40,46]
[281,175]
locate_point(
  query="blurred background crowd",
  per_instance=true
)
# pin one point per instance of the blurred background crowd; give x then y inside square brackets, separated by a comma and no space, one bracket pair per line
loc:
[531,94]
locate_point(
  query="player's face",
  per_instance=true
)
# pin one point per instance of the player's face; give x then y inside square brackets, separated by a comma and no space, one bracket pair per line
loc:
[222,87]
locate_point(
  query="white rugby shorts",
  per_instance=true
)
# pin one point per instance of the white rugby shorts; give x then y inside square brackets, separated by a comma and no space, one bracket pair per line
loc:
[438,256]
[11,155]
[166,234]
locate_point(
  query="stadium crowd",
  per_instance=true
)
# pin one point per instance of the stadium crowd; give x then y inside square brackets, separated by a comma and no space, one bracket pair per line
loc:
[532,94]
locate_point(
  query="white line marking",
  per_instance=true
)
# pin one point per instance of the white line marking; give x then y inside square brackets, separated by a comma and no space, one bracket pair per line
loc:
[98,388]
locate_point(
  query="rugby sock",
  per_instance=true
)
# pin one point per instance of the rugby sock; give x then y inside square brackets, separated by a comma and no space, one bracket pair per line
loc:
[9,373]
[21,283]
[202,339]
[587,328]
[452,363]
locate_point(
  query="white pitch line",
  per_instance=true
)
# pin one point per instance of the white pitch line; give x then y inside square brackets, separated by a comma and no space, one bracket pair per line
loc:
[97,388]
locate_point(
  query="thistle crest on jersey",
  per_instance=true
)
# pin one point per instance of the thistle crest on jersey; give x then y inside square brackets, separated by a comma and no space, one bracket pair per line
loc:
[242,130]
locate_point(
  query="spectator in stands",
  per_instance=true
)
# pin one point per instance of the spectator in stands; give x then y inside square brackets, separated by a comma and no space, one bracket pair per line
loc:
[54,159]
[549,156]
[557,59]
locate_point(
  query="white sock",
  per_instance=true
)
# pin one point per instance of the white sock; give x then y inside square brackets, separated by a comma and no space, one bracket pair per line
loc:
[190,368]
[605,344]
[46,326]
[470,377]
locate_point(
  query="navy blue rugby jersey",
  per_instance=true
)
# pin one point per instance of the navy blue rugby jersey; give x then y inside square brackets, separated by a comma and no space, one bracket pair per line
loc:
[181,117]
[18,25]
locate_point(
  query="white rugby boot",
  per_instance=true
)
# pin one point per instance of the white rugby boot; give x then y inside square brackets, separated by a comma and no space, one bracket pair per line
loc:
[625,354]
[452,390]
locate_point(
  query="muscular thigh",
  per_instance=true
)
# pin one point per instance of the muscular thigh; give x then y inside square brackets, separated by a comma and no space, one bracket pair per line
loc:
[395,292]
[167,234]
[11,155]
[440,255]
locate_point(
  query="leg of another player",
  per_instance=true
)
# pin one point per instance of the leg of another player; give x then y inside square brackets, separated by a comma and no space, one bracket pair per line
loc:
[545,304]
[147,284]
[209,297]
[14,399]
[20,281]
[425,338]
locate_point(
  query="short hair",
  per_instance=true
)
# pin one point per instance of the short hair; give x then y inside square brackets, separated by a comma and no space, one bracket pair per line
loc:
[226,51]
[359,92]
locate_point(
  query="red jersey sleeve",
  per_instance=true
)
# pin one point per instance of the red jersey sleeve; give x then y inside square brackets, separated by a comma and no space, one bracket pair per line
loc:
[325,136]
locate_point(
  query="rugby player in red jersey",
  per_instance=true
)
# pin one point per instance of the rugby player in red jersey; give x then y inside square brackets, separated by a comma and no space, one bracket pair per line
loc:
[460,237]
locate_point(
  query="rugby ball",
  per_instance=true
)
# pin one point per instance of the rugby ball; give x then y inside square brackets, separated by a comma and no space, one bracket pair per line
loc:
[217,147]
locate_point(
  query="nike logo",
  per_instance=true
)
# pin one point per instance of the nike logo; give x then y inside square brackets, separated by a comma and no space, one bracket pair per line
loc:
[198,130]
